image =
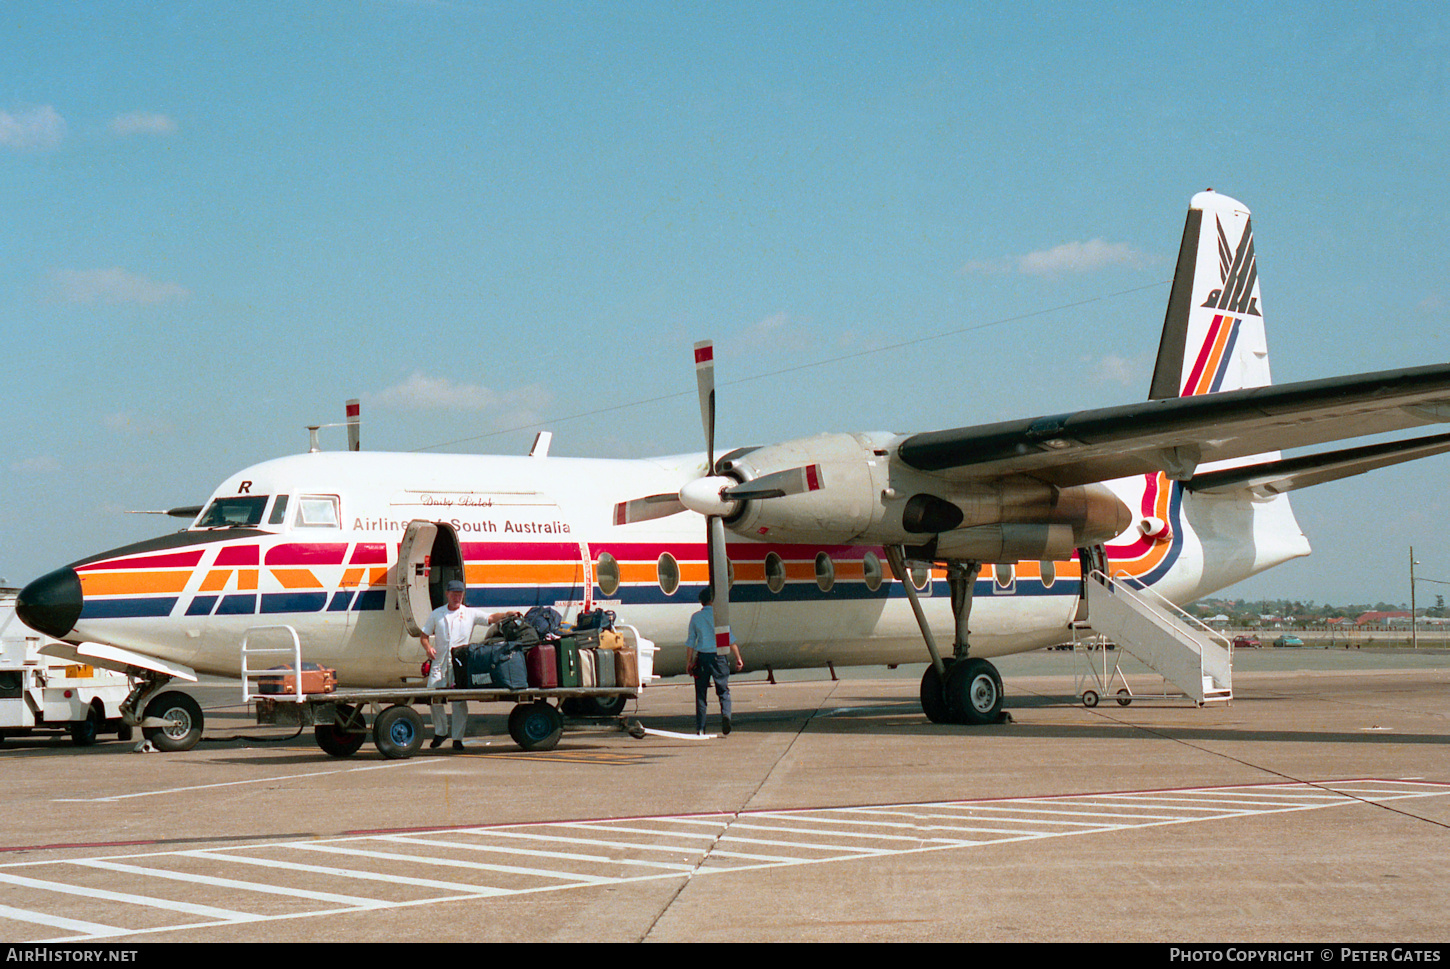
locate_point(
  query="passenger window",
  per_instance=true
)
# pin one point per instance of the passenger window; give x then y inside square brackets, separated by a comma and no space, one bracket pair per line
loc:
[668,571]
[774,572]
[825,572]
[920,575]
[318,511]
[873,571]
[606,573]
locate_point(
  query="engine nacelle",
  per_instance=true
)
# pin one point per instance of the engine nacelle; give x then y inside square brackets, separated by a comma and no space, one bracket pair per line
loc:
[854,469]
[867,498]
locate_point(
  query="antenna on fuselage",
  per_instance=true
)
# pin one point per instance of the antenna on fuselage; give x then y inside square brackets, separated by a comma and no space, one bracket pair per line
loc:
[353,425]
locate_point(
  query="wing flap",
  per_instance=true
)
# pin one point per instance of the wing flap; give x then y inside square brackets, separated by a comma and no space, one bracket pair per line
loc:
[1290,474]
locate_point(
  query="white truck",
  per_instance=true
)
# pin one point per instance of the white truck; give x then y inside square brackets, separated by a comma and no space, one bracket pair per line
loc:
[40,693]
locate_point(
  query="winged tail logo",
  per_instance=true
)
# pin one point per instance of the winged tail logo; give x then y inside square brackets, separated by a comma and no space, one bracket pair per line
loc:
[1238,271]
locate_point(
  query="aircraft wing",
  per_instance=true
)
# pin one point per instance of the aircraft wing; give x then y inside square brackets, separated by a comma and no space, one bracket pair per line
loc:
[1178,434]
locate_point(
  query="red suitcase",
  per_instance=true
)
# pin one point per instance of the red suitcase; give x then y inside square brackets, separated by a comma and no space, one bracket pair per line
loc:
[543,666]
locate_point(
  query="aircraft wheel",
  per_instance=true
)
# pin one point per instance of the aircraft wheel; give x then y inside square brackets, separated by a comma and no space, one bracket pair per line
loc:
[184,722]
[536,726]
[1124,698]
[974,692]
[344,737]
[398,732]
[83,733]
[1090,698]
[933,696]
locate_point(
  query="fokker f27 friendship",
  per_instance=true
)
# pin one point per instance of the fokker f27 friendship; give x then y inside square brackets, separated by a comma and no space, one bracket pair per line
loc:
[840,548]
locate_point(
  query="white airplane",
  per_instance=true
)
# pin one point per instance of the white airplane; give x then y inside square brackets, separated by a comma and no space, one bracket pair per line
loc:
[810,540]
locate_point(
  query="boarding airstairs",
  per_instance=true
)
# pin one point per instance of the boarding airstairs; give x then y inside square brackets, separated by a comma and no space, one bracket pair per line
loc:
[1172,643]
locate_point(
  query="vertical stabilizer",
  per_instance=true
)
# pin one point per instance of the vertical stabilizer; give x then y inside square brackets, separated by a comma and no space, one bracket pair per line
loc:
[1213,333]
[1213,341]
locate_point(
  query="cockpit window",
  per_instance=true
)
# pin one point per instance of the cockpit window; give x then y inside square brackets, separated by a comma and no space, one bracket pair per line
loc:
[243,511]
[279,511]
[317,511]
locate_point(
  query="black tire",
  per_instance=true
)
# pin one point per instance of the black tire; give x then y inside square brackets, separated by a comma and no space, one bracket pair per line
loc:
[933,696]
[345,737]
[186,722]
[536,726]
[398,732]
[974,692]
[83,733]
[1124,698]
[1090,698]
[124,731]
[602,706]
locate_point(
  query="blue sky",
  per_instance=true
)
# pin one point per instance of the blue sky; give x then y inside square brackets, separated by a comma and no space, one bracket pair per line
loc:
[222,220]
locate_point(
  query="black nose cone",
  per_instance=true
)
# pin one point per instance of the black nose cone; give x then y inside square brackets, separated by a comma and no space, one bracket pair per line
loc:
[52,603]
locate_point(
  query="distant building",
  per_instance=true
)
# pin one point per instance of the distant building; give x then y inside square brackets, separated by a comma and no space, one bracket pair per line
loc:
[1381,618]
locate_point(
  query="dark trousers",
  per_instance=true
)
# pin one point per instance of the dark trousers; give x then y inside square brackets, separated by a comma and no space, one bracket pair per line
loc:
[711,666]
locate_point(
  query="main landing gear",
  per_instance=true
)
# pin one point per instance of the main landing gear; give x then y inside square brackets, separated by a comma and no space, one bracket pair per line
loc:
[959,688]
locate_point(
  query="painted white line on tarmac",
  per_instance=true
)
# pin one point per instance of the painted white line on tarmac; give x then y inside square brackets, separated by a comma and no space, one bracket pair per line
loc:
[206,787]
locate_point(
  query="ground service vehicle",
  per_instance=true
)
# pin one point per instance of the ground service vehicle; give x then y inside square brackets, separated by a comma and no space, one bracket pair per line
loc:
[40,693]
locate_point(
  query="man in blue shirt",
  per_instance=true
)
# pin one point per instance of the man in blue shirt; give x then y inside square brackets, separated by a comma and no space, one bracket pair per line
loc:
[705,662]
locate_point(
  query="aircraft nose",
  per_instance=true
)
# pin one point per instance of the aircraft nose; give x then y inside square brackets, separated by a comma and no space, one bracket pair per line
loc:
[52,603]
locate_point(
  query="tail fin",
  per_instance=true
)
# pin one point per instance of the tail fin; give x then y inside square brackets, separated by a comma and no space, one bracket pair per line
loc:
[1213,333]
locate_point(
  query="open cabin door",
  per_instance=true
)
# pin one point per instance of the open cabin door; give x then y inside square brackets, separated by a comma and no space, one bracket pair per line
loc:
[428,559]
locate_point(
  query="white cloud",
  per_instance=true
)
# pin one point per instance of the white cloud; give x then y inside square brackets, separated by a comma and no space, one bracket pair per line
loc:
[131,424]
[1070,257]
[41,464]
[1122,371]
[1079,257]
[38,128]
[142,123]
[421,392]
[113,286]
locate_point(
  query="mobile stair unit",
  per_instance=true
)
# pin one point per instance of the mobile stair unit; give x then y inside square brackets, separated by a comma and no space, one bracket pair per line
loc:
[1170,642]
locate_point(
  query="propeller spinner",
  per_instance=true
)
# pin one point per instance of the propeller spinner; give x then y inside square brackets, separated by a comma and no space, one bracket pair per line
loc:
[717,496]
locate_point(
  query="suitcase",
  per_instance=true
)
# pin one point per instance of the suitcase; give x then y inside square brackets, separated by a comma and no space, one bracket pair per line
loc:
[611,639]
[567,657]
[542,662]
[588,668]
[604,658]
[473,666]
[315,679]
[594,619]
[512,671]
[626,667]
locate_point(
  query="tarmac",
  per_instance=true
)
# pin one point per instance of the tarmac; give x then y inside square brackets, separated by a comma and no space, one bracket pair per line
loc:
[1314,808]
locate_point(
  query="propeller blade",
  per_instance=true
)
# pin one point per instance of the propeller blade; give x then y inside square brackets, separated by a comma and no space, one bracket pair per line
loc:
[719,580]
[647,508]
[705,378]
[354,424]
[778,484]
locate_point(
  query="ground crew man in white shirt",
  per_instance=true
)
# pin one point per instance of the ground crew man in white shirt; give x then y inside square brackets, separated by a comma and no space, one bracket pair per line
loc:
[446,629]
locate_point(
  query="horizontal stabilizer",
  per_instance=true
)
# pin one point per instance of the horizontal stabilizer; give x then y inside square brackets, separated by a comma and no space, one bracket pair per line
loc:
[1289,474]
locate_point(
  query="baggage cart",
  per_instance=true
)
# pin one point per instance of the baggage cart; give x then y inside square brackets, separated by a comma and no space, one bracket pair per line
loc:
[345,719]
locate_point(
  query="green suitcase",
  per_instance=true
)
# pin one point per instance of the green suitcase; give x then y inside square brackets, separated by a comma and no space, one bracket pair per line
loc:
[567,655]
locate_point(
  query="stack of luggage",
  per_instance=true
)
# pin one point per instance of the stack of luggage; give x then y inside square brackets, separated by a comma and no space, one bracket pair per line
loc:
[535,651]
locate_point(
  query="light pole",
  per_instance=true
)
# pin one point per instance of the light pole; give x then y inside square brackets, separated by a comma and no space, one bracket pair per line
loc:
[1414,627]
